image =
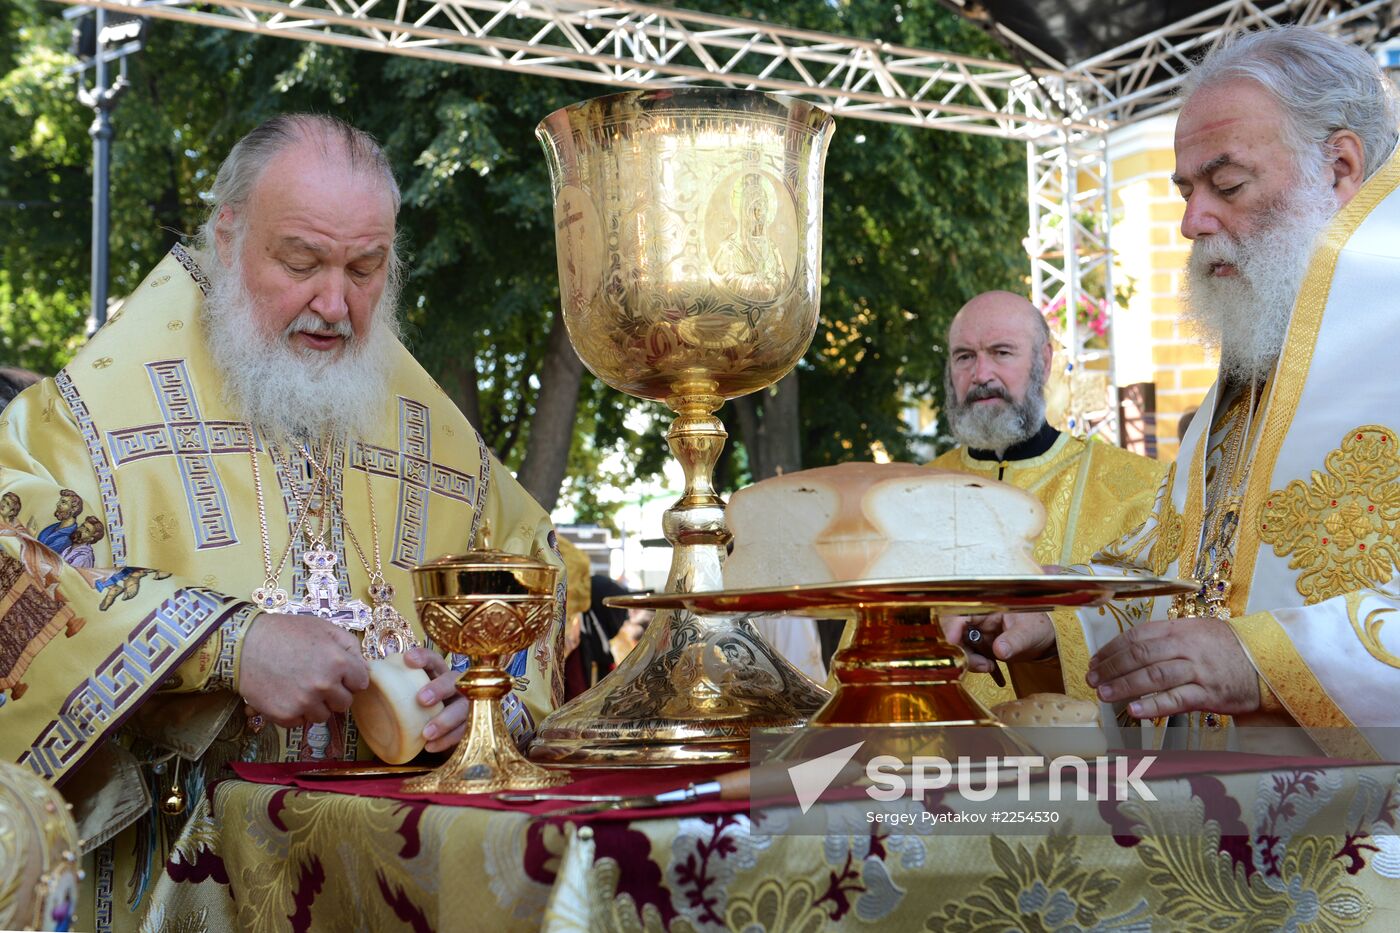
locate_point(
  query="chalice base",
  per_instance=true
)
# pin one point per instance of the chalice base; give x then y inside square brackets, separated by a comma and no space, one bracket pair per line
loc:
[687,693]
[485,761]
[900,674]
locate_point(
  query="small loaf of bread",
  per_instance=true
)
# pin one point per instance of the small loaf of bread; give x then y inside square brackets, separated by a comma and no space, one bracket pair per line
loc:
[870,521]
[388,713]
[1055,724]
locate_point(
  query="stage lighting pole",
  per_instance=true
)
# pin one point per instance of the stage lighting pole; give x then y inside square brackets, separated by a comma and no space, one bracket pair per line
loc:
[102,98]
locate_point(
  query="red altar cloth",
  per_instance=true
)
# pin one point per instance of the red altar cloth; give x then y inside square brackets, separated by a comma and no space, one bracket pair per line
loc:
[638,781]
[621,781]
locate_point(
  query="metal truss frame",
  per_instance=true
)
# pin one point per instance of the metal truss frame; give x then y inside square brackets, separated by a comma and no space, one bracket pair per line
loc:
[1068,186]
[628,44]
[1063,113]
[1139,79]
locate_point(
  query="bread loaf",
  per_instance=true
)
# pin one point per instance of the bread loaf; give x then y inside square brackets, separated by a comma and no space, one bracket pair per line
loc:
[1055,724]
[387,712]
[871,521]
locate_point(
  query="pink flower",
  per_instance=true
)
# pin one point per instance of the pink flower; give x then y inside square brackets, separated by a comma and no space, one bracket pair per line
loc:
[1093,314]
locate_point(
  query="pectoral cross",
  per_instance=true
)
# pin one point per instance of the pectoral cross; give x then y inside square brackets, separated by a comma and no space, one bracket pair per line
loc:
[322,594]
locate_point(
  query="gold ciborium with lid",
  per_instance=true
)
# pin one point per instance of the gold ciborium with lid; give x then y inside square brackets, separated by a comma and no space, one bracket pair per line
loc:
[688,227]
[486,604]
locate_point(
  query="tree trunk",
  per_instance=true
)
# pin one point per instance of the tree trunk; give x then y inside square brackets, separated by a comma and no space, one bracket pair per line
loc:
[746,416]
[552,430]
[769,428]
[468,394]
[782,427]
[724,464]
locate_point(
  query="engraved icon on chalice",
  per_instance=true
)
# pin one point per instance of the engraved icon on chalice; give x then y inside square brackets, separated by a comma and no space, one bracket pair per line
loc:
[688,227]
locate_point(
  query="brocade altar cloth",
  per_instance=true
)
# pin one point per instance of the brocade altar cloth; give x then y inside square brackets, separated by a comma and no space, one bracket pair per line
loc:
[1252,849]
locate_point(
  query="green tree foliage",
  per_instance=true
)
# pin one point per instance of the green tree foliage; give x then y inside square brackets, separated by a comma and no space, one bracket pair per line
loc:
[915,221]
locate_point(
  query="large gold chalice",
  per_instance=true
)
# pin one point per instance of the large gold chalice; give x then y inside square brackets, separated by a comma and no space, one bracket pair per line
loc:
[688,227]
[487,605]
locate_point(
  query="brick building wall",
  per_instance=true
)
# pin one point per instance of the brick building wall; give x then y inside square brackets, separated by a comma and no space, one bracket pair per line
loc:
[1150,344]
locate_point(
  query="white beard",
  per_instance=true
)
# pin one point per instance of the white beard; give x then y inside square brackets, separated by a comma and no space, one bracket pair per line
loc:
[288,393]
[1246,315]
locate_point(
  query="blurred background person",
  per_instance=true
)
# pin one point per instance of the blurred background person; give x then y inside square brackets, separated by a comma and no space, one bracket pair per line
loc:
[593,658]
[13,381]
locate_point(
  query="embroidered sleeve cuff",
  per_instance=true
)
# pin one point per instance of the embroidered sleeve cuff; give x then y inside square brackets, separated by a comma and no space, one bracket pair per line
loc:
[1268,700]
[1295,687]
[225,673]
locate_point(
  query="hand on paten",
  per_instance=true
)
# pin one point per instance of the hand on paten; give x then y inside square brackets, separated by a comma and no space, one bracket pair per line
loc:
[446,729]
[1010,636]
[1176,666]
[298,670]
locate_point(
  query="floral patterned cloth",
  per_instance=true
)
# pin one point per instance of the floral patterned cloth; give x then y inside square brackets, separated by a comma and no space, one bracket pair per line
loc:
[1302,848]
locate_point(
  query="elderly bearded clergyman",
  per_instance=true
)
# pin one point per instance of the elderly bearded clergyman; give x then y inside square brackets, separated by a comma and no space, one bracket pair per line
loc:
[249,411]
[1285,499]
[999,353]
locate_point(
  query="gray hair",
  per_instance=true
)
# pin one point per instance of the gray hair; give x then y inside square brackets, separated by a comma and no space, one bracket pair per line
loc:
[1322,83]
[251,155]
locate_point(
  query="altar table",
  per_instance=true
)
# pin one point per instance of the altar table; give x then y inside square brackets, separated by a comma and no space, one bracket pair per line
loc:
[1263,844]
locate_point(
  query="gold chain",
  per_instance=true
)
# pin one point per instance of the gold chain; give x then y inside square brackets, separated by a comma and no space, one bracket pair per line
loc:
[1213,567]
[1226,492]
[379,588]
[389,628]
[320,483]
[269,595]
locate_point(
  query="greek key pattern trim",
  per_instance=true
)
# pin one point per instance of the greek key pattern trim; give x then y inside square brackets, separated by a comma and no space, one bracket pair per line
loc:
[416,446]
[518,720]
[303,483]
[159,643]
[106,479]
[292,751]
[186,439]
[441,480]
[224,676]
[483,485]
[337,468]
[194,442]
[104,864]
[183,257]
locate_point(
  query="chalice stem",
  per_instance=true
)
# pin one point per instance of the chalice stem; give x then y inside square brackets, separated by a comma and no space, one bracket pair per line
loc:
[486,759]
[900,674]
[695,524]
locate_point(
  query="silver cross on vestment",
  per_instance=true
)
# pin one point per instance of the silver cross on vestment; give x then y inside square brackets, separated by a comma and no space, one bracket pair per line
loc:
[322,594]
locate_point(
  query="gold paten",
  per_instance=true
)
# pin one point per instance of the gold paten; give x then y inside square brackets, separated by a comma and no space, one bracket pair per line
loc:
[487,605]
[899,670]
[688,227]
